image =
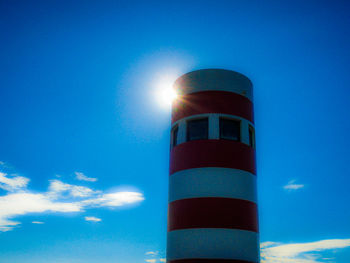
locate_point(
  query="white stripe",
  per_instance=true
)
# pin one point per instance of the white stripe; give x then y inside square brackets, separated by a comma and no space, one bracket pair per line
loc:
[213,243]
[212,182]
[215,80]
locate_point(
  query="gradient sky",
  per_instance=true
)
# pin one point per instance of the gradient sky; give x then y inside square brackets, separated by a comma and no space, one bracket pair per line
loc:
[83,139]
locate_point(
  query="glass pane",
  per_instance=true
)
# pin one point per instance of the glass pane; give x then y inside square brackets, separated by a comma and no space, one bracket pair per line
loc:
[230,129]
[197,129]
[175,132]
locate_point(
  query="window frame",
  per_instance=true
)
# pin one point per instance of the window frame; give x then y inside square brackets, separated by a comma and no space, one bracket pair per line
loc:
[175,136]
[251,135]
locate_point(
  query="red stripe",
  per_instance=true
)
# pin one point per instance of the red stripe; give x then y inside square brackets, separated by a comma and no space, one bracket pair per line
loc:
[212,153]
[212,102]
[207,260]
[213,212]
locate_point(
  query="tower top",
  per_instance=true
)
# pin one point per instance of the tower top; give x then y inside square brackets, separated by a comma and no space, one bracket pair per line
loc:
[214,79]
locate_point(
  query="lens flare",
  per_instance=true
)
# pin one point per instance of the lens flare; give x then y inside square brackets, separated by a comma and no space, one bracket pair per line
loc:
[165,92]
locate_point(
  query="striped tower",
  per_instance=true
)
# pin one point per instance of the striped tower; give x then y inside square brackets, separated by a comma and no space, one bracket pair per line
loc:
[212,213]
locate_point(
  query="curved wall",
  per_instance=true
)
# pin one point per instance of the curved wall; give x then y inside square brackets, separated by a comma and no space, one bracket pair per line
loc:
[212,213]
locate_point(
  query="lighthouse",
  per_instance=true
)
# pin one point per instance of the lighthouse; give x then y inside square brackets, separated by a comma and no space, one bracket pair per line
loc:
[212,210]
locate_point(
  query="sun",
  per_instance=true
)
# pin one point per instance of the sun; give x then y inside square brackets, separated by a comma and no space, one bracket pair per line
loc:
[166,96]
[165,92]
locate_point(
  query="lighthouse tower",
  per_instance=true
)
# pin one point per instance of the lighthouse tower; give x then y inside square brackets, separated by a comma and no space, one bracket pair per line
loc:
[212,213]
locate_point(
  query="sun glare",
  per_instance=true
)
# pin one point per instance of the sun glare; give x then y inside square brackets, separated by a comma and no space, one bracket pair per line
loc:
[165,93]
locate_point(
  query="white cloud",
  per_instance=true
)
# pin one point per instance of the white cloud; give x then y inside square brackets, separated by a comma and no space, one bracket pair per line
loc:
[15,204]
[93,219]
[293,186]
[154,257]
[57,188]
[272,252]
[7,225]
[82,191]
[5,228]
[268,244]
[12,183]
[82,177]
[115,199]
[37,222]
[153,260]
[60,197]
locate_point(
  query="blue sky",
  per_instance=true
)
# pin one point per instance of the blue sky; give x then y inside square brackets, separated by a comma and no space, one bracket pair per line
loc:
[85,146]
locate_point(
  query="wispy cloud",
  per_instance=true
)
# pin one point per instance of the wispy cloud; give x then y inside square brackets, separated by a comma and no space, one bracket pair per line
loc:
[60,198]
[115,199]
[311,252]
[154,260]
[293,186]
[82,177]
[13,182]
[15,204]
[93,219]
[57,187]
[37,222]
[154,256]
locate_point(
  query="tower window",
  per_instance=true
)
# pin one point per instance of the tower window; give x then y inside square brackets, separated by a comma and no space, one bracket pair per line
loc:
[251,137]
[197,129]
[174,136]
[230,129]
